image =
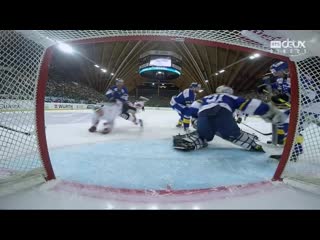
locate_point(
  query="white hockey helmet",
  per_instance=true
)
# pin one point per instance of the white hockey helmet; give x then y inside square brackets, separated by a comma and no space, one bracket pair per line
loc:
[224,89]
[119,81]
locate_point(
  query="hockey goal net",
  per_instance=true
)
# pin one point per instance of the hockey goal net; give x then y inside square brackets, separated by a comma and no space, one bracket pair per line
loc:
[24,61]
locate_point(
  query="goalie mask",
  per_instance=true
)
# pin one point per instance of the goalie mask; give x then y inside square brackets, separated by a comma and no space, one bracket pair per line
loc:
[224,89]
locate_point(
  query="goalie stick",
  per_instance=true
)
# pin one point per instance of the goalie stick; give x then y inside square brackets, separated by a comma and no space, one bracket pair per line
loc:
[14,130]
[265,134]
[278,157]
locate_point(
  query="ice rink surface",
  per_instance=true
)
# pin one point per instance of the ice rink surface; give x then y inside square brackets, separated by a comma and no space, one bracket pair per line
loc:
[88,164]
[143,158]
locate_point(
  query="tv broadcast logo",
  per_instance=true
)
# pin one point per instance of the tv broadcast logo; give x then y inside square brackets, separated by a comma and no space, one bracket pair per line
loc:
[288,47]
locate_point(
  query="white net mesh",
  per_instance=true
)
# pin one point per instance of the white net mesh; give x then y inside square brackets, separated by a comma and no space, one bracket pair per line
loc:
[307,136]
[20,61]
[223,36]
[21,53]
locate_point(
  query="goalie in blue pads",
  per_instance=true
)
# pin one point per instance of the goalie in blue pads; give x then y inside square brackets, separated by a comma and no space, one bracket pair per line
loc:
[214,114]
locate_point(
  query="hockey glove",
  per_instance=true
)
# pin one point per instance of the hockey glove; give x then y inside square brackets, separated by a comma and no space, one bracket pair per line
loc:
[188,142]
[274,115]
[93,129]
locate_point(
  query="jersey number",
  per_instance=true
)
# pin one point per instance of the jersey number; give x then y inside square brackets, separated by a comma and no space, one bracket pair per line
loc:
[215,99]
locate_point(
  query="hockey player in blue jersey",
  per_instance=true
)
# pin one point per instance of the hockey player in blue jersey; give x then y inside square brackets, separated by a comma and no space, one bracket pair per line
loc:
[281,87]
[182,102]
[214,115]
[280,90]
[120,93]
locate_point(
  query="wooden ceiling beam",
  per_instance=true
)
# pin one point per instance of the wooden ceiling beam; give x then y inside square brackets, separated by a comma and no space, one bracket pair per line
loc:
[202,78]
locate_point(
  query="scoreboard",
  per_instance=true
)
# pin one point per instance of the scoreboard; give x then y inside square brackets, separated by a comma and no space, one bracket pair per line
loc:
[162,65]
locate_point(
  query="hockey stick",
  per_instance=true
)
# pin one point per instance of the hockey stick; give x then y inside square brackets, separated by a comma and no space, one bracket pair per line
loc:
[14,130]
[144,99]
[265,134]
[281,100]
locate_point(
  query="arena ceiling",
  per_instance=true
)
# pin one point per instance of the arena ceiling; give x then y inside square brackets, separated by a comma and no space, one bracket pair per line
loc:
[199,63]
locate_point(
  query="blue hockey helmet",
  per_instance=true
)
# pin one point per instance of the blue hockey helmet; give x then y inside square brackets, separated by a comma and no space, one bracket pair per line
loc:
[279,67]
[195,85]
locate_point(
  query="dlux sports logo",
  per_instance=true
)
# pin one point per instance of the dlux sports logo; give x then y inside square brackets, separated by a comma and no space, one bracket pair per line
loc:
[289,47]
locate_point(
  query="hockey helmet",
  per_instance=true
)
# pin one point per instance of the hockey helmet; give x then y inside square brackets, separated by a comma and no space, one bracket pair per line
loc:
[195,85]
[279,67]
[119,81]
[224,89]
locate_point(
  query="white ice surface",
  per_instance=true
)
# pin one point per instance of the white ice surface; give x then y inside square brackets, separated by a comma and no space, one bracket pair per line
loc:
[67,130]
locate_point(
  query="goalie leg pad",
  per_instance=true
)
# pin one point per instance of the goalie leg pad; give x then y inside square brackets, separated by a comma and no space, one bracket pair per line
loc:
[188,142]
[246,141]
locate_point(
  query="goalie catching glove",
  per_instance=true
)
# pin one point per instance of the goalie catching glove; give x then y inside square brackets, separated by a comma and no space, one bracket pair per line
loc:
[274,115]
[188,142]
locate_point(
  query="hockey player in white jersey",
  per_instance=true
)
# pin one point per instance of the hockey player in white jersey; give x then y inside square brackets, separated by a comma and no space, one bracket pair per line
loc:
[214,117]
[120,93]
[107,113]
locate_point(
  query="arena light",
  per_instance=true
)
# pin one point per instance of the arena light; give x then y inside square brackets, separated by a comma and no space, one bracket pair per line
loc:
[201,90]
[112,74]
[153,83]
[97,66]
[221,71]
[104,70]
[65,48]
[206,81]
[256,55]
[162,84]
[216,74]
